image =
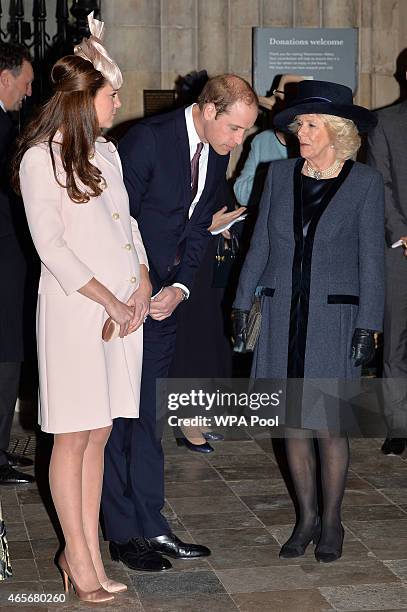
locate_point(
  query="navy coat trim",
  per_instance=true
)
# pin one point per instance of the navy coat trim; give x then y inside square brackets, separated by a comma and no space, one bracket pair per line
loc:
[301,269]
[336,298]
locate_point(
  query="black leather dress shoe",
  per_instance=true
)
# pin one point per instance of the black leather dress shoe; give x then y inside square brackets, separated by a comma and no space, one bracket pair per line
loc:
[138,554]
[18,460]
[394,446]
[197,448]
[10,476]
[213,436]
[171,546]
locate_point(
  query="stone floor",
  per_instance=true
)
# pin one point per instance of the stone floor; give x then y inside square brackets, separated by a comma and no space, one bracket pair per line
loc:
[235,501]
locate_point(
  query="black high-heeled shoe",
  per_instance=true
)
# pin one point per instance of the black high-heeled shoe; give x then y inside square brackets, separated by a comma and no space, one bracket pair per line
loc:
[212,435]
[290,550]
[330,554]
[197,448]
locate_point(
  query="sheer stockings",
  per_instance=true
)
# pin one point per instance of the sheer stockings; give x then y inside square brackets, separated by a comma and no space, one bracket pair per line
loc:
[334,462]
[302,464]
[334,458]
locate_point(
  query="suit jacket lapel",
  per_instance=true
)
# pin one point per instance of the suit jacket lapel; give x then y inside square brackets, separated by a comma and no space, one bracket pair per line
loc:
[182,147]
[210,173]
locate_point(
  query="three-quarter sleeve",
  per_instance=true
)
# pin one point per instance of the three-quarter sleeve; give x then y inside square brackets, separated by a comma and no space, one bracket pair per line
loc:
[43,205]
[138,243]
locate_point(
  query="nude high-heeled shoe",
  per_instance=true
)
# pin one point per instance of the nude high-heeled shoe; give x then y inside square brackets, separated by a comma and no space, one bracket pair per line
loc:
[97,596]
[111,586]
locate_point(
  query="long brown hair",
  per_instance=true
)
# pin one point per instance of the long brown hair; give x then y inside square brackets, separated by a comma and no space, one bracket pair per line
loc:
[72,110]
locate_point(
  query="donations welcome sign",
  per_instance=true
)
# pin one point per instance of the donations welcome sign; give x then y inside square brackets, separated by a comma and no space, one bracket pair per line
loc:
[325,54]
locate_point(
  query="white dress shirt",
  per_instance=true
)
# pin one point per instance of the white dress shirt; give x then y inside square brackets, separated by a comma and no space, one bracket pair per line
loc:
[194,140]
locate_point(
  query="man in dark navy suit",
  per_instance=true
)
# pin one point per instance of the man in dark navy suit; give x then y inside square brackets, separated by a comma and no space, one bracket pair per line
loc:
[387,153]
[16,76]
[175,173]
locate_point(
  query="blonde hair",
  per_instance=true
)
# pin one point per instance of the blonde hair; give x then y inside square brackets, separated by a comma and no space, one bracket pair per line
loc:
[344,134]
[92,50]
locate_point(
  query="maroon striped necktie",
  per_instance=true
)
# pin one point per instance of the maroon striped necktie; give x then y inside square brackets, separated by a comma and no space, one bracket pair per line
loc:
[195,170]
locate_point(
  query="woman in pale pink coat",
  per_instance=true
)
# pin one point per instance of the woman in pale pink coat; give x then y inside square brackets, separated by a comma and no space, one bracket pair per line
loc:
[93,266]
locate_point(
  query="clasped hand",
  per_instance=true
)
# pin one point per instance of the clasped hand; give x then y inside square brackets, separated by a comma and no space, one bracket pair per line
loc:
[164,303]
[131,315]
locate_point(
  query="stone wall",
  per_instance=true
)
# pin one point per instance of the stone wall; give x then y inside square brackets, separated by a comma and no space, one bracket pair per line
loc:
[156,40]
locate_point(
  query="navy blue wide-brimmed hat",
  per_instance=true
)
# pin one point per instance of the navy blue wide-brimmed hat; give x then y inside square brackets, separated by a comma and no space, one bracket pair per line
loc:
[322,97]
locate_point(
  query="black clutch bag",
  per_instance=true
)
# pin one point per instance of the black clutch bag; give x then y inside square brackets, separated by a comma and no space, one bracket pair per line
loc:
[225,258]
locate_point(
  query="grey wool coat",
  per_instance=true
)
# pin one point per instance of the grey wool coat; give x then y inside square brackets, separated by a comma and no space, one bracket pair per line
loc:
[337,270]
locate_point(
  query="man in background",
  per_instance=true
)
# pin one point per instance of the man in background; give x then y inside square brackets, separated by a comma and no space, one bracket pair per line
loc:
[388,153]
[16,76]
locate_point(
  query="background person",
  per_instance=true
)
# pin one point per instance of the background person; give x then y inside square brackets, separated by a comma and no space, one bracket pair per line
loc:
[387,153]
[93,265]
[203,341]
[203,348]
[265,147]
[316,257]
[16,76]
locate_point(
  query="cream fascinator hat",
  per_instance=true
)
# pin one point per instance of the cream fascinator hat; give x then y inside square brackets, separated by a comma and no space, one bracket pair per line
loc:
[92,50]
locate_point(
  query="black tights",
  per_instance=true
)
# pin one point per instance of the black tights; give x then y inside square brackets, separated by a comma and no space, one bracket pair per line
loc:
[334,463]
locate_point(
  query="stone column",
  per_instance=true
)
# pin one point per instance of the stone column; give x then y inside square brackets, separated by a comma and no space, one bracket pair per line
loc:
[213,43]
[364,93]
[277,13]
[307,13]
[133,37]
[385,48]
[243,16]
[340,14]
[178,40]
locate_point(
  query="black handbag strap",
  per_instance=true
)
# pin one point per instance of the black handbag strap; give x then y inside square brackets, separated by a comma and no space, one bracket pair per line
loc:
[232,248]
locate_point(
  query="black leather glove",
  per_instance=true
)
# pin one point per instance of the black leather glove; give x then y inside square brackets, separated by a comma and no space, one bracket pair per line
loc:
[363,346]
[239,325]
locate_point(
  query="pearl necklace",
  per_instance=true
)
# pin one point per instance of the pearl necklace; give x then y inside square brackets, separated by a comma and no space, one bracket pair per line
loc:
[319,174]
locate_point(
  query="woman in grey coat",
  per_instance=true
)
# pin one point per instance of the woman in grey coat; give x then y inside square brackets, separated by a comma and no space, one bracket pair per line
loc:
[316,258]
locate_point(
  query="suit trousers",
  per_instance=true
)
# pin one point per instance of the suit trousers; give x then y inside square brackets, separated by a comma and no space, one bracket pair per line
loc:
[133,486]
[9,380]
[395,344]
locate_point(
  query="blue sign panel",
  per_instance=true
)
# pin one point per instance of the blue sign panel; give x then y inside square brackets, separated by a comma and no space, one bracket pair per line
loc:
[325,54]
